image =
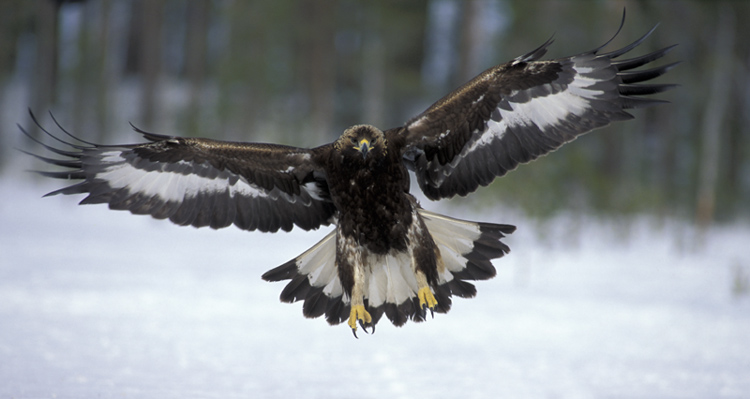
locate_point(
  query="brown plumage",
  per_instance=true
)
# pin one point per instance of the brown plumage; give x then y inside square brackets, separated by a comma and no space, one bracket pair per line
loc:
[386,254]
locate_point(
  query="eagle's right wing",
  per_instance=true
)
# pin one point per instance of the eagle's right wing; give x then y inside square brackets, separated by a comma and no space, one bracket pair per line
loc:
[199,182]
[518,111]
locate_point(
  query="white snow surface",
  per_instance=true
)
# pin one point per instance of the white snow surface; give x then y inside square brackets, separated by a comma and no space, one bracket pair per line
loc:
[103,304]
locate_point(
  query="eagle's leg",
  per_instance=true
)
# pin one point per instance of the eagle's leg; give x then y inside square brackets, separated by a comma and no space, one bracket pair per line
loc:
[426,298]
[358,313]
[425,262]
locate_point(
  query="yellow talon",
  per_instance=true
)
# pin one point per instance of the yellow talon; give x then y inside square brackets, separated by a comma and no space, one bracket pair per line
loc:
[426,299]
[358,312]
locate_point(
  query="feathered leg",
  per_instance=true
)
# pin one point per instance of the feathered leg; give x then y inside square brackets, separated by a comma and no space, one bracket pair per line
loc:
[353,276]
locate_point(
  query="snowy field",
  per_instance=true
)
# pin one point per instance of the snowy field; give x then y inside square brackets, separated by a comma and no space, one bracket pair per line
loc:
[102,304]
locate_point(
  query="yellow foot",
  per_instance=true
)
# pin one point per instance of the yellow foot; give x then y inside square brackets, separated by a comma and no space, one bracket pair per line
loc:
[358,313]
[427,300]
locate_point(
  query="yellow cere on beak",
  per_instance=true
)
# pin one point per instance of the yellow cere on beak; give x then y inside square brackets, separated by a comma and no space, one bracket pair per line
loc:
[363,147]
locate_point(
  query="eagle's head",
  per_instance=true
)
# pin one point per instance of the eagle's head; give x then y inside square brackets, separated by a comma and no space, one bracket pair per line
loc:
[362,144]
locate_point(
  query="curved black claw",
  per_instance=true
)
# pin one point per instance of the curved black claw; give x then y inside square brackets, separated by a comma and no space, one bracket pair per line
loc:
[424,312]
[364,326]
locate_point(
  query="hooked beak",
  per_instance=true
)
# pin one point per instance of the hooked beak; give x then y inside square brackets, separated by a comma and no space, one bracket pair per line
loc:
[363,147]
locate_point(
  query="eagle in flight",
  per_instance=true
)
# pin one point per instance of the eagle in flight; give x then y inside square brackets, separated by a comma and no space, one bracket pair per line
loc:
[386,254]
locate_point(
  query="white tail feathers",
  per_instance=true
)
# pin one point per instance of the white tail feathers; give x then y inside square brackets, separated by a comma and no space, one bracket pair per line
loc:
[466,249]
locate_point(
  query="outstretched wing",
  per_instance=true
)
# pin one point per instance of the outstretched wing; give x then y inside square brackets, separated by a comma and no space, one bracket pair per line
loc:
[199,182]
[515,112]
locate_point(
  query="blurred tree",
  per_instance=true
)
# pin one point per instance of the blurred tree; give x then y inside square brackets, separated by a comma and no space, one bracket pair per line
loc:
[104,75]
[196,54]
[11,20]
[373,68]
[713,121]
[150,60]
[317,44]
[471,40]
[44,92]
[14,15]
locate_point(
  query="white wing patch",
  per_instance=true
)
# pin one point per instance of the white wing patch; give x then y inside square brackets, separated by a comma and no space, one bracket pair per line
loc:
[166,185]
[549,110]
[544,111]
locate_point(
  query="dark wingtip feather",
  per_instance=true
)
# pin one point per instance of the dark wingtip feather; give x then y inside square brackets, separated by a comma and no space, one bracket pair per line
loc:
[644,90]
[47,132]
[48,147]
[646,74]
[67,163]
[79,188]
[59,126]
[150,136]
[536,53]
[617,53]
[622,23]
[631,63]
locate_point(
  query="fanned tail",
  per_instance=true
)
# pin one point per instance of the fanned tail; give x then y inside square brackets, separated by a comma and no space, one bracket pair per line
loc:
[466,252]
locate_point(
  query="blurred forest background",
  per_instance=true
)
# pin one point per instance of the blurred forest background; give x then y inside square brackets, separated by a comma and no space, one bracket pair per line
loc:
[299,72]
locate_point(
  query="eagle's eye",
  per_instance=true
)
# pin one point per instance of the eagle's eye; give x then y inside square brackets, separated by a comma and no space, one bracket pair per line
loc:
[354,140]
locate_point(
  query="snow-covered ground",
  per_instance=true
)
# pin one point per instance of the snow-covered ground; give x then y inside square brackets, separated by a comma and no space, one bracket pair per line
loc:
[102,304]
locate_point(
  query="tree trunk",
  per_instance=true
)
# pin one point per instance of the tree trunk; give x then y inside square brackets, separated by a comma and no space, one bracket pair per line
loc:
[195,54]
[150,58]
[45,82]
[80,106]
[104,74]
[471,40]
[708,166]
[373,72]
[321,71]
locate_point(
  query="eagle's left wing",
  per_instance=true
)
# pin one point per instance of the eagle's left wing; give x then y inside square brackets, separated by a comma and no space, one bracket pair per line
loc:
[200,182]
[515,112]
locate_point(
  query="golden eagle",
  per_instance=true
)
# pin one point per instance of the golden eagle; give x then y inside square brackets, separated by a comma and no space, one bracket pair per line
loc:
[386,255]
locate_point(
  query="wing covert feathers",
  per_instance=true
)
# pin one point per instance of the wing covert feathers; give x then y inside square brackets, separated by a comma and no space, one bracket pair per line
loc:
[515,112]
